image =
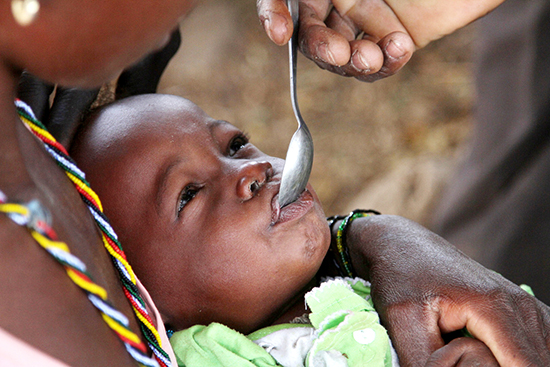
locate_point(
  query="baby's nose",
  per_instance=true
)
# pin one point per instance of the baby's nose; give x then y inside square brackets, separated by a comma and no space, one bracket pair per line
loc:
[253,176]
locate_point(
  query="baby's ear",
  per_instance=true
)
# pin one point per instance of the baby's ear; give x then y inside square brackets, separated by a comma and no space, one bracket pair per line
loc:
[144,76]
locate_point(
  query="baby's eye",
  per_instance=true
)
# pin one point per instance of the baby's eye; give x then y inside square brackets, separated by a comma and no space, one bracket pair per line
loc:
[188,193]
[237,143]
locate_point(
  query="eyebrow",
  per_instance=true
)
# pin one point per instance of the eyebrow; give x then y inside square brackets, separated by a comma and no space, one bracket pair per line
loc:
[214,124]
[162,180]
[164,175]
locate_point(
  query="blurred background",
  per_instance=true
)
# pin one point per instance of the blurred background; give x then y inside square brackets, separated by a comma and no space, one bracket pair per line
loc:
[390,145]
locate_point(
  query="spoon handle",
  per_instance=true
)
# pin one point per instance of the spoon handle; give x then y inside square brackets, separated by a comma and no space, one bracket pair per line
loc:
[293,57]
[299,157]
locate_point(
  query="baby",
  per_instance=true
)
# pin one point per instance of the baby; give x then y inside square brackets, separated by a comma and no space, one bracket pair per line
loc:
[195,205]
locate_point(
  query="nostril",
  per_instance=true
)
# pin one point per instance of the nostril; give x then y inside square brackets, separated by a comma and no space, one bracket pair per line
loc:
[254,186]
[269,173]
[253,176]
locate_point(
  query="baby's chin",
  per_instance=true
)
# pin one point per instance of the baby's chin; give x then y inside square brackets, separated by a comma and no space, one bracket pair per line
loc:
[319,237]
[318,232]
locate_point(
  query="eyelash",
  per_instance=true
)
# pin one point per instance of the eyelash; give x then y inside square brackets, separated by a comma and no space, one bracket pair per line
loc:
[187,194]
[241,139]
[190,191]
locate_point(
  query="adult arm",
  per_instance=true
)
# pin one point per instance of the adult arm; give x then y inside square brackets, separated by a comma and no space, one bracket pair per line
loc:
[368,39]
[423,288]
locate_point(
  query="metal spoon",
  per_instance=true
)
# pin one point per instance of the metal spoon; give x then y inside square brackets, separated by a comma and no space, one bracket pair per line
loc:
[299,157]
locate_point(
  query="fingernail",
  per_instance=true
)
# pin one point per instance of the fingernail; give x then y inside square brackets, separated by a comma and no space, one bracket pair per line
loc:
[358,62]
[276,27]
[323,52]
[395,50]
[266,23]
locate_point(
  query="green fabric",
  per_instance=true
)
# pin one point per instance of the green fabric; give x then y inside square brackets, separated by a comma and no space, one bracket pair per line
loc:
[258,334]
[334,296]
[347,323]
[527,289]
[348,333]
[217,345]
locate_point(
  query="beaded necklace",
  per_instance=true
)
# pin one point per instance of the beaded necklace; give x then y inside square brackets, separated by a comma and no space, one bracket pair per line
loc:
[35,218]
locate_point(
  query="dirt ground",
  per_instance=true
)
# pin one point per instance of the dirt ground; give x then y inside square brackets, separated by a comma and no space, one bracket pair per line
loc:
[390,145]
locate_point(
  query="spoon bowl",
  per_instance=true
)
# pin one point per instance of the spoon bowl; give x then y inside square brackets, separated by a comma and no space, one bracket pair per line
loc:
[299,157]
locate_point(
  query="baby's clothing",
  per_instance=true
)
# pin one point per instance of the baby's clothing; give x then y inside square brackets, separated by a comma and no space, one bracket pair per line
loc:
[344,331]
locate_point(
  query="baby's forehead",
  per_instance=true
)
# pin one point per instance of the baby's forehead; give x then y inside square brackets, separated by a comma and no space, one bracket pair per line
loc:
[155,109]
[153,114]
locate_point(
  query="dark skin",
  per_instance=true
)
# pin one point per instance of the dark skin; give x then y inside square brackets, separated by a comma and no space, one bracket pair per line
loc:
[462,352]
[63,116]
[207,198]
[442,303]
[331,34]
[368,39]
[43,301]
[97,40]
[215,255]
[46,309]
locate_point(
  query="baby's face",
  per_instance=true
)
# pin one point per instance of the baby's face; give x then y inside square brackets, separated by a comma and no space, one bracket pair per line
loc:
[194,204]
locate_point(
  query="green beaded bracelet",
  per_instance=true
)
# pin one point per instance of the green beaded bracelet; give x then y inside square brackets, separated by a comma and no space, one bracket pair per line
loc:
[342,257]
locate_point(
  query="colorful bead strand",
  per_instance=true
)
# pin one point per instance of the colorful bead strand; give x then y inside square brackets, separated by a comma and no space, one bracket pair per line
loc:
[110,239]
[343,259]
[36,219]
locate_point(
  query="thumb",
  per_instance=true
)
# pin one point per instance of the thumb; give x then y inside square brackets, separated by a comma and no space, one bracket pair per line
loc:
[275,19]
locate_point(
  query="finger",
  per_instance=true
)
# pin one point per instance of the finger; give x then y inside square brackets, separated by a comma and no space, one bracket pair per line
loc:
[414,332]
[463,352]
[375,18]
[371,58]
[396,49]
[35,93]
[144,76]
[275,19]
[342,25]
[68,109]
[512,324]
[523,339]
[320,43]
[366,58]
[371,61]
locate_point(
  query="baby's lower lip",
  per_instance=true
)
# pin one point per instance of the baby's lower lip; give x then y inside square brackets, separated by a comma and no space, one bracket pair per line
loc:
[292,211]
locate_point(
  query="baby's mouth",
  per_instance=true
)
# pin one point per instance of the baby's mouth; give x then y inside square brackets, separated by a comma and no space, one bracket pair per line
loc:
[292,211]
[275,209]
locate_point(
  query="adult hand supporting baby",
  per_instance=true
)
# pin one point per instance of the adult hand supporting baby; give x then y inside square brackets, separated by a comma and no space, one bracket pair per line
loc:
[368,39]
[463,352]
[424,287]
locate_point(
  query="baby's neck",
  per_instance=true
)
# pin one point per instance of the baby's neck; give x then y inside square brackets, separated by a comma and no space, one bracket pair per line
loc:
[296,310]
[297,306]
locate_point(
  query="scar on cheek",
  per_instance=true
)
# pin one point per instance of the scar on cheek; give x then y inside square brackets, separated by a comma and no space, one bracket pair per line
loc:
[310,248]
